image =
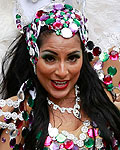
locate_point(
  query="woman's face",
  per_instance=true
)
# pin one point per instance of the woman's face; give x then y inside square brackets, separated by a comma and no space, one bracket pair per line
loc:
[59,64]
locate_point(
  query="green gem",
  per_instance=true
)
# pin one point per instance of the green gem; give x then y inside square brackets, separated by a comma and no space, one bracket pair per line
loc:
[104,57]
[30,101]
[112,71]
[33,38]
[62,13]
[50,14]
[109,87]
[16,147]
[68,7]
[58,32]
[45,148]
[37,20]
[66,19]
[38,135]
[18,16]
[70,12]
[29,26]
[89,142]
[29,83]
[77,22]
[60,138]
[65,25]
[28,48]
[25,116]
[50,21]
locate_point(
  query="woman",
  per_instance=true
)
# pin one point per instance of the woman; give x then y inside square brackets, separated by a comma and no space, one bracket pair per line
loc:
[61,100]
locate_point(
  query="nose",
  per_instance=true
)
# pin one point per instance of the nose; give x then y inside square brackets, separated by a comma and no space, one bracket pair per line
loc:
[62,70]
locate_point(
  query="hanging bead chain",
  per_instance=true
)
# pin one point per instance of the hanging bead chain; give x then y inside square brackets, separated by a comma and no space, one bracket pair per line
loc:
[75,110]
[114,55]
[12,128]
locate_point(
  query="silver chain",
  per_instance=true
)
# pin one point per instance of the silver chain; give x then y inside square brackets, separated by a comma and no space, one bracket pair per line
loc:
[75,110]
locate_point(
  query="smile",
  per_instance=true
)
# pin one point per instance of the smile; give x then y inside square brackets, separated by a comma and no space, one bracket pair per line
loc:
[60,85]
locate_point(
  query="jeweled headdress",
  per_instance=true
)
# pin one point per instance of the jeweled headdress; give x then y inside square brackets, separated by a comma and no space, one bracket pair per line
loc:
[59,16]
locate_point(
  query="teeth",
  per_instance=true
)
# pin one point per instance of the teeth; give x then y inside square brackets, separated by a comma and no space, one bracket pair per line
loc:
[57,82]
[61,82]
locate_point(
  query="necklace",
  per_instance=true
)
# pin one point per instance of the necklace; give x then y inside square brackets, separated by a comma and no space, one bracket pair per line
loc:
[64,140]
[75,110]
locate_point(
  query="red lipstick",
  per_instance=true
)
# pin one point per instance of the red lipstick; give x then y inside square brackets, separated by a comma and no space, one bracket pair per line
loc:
[59,85]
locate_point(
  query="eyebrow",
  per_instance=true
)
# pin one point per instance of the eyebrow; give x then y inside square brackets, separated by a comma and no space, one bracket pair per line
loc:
[78,51]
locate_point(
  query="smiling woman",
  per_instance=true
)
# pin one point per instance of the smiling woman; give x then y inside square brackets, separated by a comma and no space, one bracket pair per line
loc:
[60,102]
[58,67]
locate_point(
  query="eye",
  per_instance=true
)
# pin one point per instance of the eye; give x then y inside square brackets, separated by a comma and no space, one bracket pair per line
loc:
[73,58]
[48,58]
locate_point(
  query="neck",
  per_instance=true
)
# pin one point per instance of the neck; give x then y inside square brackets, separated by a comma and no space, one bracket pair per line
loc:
[67,101]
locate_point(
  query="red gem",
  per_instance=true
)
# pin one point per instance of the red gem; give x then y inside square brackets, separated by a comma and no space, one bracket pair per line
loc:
[55,17]
[20,147]
[21,106]
[115,148]
[69,144]
[0,107]
[73,33]
[57,25]
[19,124]
[19,26]
[114,55]
[107,79]
[18,133]
[96,51]
[49,27]
[39,13]
[83,41]
[77,17]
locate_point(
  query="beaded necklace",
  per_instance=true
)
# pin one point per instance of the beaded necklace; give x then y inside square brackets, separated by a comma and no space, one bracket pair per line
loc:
[64,140]
[75,110]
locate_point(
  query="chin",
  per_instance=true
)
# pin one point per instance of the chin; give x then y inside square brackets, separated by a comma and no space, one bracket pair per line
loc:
[59,94]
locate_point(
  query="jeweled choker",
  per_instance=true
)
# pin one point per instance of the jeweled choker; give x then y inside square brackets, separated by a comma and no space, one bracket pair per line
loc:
[75,110]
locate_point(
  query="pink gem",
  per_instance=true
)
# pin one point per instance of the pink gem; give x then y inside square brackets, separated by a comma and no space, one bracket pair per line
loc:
[57,25]
[44,17]
[107,79]
[65,11]
[67,22]
[58,6]
[39,14]
[114,55]
[119,84]
[62,146]
[48,141]
[91,134]
[69,144]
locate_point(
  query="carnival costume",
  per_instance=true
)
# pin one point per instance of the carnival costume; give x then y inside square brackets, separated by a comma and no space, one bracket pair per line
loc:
[65,20]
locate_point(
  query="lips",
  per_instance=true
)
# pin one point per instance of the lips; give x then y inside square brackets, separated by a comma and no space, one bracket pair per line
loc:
[60,85]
